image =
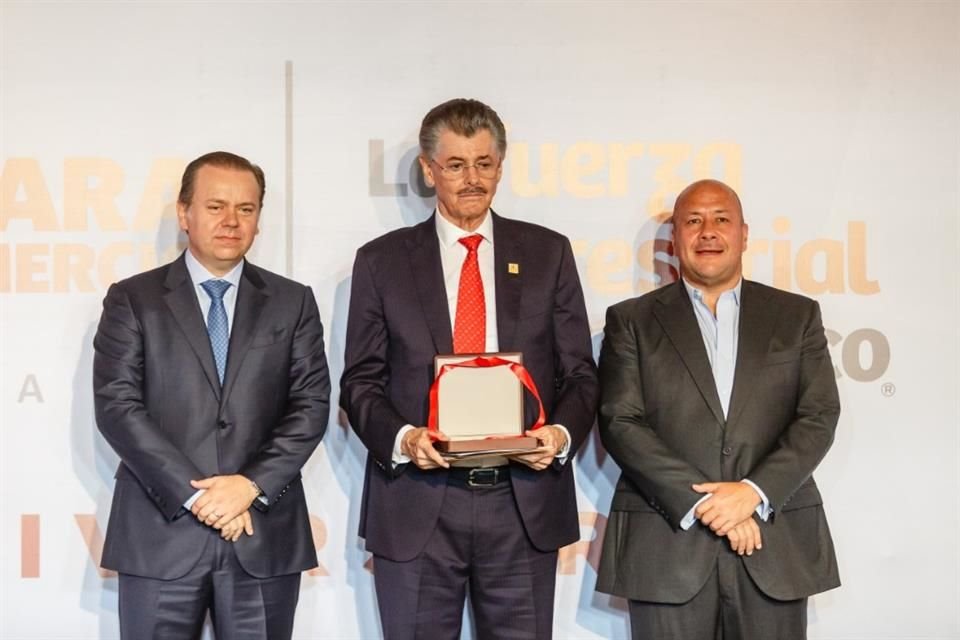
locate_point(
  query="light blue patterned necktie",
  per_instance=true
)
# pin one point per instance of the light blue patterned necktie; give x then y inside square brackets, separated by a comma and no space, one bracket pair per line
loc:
[217,323]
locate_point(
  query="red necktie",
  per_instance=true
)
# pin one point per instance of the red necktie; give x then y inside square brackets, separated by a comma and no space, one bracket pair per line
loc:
[470,325]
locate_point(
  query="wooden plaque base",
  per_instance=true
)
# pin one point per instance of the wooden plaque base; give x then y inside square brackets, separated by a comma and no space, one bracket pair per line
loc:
[518,444]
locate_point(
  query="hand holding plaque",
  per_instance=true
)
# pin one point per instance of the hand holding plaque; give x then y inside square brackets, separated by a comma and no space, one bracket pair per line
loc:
[477,401]
[551,440]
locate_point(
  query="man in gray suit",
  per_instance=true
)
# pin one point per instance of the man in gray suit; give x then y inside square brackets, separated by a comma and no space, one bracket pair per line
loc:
[718,401]
[211,384]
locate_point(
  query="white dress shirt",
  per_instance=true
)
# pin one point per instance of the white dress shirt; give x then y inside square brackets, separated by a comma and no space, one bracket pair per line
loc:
[452,255]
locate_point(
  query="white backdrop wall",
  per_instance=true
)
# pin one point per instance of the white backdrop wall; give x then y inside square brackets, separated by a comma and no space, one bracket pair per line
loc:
[838,122]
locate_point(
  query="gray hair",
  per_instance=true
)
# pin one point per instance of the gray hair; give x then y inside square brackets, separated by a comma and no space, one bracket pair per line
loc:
[463,117]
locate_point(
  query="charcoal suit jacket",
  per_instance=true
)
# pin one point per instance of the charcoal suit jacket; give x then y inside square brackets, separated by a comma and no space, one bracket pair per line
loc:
[662,421]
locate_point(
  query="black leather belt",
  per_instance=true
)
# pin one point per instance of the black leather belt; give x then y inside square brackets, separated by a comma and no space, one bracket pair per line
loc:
[478,477]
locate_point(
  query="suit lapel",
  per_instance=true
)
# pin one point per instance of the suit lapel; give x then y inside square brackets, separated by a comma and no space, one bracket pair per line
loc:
[423,251]
[676,317]
[757,319]
[181,299]
[252,296]
[507,250]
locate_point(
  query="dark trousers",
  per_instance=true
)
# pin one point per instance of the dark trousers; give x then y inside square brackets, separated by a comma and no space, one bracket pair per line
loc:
[728,607]
[479,543]
[242,607]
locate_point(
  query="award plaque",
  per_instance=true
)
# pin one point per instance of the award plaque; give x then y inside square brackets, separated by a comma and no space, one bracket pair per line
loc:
[477,402]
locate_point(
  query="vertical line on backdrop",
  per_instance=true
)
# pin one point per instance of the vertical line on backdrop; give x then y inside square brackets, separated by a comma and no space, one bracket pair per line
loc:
[288,163]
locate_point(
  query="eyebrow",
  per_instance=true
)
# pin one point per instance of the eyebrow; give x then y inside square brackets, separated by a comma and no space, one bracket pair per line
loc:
[485,156]
[248,203]
[702,211]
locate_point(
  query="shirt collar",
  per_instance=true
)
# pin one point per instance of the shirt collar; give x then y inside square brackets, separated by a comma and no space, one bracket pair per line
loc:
[450,233]
[199,273]
[696,294]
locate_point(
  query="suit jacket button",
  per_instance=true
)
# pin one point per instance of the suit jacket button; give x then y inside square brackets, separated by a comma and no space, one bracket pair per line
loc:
[727,451]
[222,424]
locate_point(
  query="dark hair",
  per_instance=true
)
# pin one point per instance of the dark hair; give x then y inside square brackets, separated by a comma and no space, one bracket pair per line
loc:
[464,117]
[223,160]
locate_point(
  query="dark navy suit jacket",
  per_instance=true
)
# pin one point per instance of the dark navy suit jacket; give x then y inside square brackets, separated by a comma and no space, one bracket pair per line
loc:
[399,320]
[160,405]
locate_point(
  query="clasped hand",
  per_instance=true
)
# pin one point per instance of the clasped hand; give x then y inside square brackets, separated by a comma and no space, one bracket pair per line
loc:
[225,505]
[729,512]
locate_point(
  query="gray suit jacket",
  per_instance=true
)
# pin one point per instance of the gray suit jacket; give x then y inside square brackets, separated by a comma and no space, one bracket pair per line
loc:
[160,405]
[661,420]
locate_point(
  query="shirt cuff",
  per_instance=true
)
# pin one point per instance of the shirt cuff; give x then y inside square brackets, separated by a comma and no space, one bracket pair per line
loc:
[764,510]
[564,453]
[399,457]
[189,503]
[691,517]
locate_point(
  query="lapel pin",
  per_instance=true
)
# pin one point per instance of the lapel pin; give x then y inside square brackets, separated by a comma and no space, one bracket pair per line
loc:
[513,268]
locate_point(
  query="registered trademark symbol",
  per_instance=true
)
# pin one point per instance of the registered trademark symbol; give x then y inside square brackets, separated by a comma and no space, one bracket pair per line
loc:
[888,389]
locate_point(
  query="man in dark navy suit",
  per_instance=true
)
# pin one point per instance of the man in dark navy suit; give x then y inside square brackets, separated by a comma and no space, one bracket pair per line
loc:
[211,384]
[466,281]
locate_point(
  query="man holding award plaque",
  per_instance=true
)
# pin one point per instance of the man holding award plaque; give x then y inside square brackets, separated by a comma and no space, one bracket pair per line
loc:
[470,379]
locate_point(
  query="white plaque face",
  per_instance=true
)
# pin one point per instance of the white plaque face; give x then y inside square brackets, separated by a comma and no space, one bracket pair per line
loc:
[476,402]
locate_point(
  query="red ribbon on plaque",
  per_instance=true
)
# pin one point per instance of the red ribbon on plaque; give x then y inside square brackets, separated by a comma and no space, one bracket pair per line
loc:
[482,362]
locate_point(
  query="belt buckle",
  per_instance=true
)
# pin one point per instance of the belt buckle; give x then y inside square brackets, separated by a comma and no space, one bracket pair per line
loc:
[483,477]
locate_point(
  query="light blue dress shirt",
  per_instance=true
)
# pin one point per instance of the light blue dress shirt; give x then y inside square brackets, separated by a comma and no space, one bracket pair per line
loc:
[721,338]
[198,274]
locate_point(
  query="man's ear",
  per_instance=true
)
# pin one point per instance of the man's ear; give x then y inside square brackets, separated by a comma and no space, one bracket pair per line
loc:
[182,217]
[427,171]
